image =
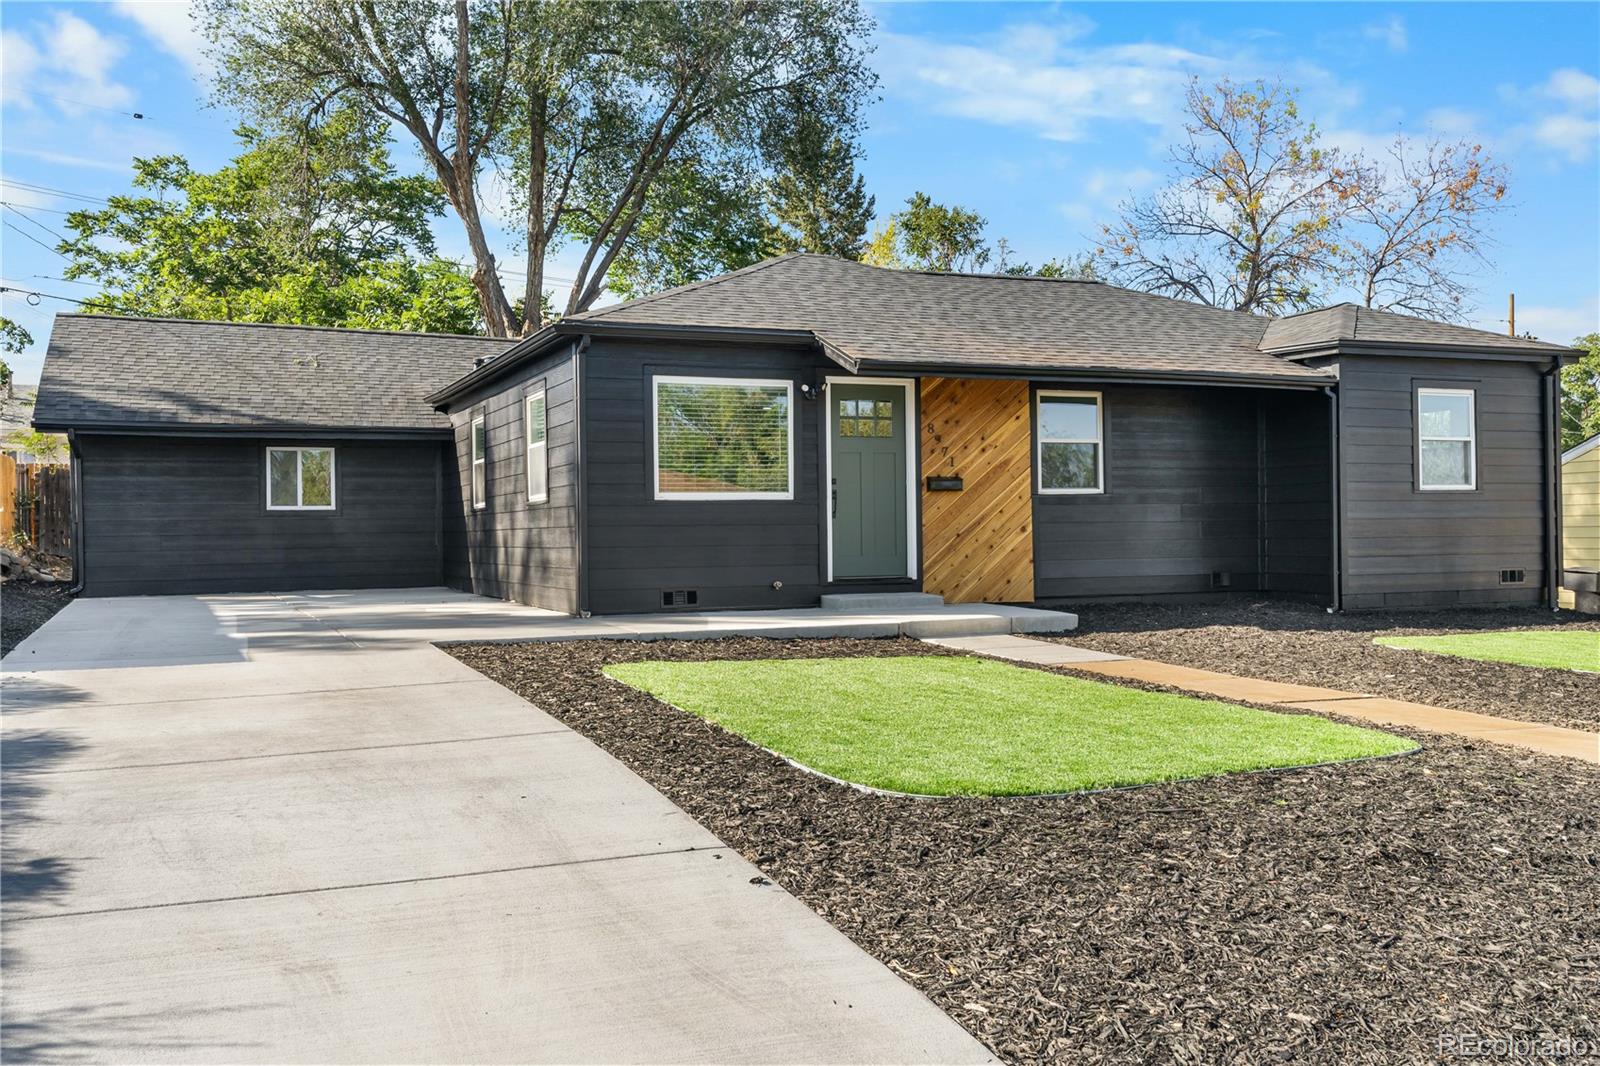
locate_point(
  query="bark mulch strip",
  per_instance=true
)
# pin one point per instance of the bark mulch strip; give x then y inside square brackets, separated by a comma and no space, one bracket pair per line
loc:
[1348,913]
[24,607]
[1306,645]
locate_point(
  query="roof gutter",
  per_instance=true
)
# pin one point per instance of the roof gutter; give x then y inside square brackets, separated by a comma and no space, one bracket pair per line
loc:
[1108,374]
[1422,349]
[276,432]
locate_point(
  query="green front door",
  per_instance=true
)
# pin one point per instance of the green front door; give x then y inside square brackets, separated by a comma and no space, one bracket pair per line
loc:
[867,427]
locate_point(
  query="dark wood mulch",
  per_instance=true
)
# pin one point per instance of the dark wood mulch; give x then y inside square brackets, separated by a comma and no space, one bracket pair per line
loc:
[1288,642]
[24,607]
[1347,913]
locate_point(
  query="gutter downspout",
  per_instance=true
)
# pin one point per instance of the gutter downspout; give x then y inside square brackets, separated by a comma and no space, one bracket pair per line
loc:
[1552,481]
[580,517]
[1336,546]
[78,574]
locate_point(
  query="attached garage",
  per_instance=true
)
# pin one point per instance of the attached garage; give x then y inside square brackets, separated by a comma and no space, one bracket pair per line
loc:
[212,457]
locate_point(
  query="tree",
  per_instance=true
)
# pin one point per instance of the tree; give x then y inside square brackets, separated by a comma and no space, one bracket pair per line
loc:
[930,236]
[1251,220]
[587,107]
[13,339]
[1414,225]
[1580,394]
[819,202]
[314,229]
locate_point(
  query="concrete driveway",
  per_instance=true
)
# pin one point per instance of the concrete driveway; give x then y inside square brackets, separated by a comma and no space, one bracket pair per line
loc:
[288,829]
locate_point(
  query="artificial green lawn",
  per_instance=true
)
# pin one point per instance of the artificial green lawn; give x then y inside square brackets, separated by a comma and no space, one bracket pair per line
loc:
[1572,649]
[946,725]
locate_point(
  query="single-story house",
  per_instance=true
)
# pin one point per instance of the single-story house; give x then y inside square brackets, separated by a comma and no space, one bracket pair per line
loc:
[810,425]
[1580,515]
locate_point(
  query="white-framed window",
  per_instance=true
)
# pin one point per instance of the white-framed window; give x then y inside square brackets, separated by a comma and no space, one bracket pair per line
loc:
[723,438]
[480,464]
[301,479]
[538,454]
[1447,440]
[1071,447]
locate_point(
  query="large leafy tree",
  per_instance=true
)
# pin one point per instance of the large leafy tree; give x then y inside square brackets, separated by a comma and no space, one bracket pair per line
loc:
[600,115]
[928,235]
[818,201]
[315,228]
[1580,394]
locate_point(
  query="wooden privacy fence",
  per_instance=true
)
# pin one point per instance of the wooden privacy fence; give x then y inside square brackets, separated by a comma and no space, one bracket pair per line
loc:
[36,503]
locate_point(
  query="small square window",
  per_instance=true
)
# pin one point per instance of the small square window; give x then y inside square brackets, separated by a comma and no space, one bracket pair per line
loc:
[300,479]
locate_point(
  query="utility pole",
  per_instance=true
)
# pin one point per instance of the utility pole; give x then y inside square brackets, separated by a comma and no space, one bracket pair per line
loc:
[1511,320]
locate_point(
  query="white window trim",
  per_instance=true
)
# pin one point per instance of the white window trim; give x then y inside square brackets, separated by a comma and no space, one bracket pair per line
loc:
[1098,440]
[1471,439]
[655,437]
[299,479]
[543,445]
[478,503]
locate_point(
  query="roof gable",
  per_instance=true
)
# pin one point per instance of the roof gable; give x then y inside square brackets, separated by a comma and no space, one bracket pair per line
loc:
[150,373]
[1347,322]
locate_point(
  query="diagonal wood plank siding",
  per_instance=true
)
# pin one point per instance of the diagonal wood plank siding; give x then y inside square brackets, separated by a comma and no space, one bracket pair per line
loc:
[977,544]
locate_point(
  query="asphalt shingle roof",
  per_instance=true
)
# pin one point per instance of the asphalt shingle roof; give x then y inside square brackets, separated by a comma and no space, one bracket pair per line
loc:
[884,316]
[1352,322]
[151,372]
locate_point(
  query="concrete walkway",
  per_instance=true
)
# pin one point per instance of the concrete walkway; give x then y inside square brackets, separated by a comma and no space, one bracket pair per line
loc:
[288,829]
[1380,710]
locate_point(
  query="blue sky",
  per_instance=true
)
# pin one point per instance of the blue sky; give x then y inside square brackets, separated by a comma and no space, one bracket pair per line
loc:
[1040,116]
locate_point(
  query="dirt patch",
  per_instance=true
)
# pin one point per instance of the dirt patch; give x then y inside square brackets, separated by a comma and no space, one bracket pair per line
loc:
[1306,645]
[24,607]
[1349,913]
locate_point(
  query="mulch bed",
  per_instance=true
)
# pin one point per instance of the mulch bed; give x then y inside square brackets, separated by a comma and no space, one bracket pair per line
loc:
[1306,645]
[1347,913]
[24,607]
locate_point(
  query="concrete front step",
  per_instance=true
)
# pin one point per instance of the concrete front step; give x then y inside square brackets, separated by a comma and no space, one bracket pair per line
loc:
[880,601]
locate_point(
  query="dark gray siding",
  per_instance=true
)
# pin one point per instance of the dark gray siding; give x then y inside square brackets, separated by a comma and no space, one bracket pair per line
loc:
[167,515]
[513,549]
[729,552]
[1407,548]
[1297,495]
[1180,501]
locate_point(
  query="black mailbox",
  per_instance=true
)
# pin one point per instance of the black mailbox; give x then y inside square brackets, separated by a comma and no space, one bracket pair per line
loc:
[944,484]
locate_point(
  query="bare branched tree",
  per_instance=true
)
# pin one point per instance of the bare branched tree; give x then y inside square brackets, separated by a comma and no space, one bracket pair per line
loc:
[1415,225]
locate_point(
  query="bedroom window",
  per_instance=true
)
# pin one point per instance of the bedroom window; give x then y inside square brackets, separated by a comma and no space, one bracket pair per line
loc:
[1447,442]
[723,439]
[538,456]
[300,479]
[480,464]
[1071,452]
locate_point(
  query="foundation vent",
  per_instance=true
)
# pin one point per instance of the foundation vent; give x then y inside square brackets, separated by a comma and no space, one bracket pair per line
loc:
[679,597]
[1513,577]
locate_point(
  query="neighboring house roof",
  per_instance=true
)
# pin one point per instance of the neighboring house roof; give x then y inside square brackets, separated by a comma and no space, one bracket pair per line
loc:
[1329,326]
[1581,448]
[104,371]
[886,318]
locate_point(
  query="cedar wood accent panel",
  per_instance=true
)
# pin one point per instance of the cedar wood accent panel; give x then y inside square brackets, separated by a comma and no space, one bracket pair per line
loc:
[513,549]
[1180,500]
[977,544]
[1403,547]
[176,515]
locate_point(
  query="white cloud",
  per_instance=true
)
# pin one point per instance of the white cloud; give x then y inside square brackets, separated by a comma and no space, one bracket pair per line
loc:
[1563,112]
[1390,31]
[1553,323]
[171,24]
[67,63]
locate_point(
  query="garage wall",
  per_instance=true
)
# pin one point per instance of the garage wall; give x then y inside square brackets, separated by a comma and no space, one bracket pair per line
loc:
[171,515]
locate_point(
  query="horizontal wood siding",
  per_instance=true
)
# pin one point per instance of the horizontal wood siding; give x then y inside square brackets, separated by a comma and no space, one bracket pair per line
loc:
[513,549]
[730,552]
[977,544]
[1180,501]
[175,515]
[1297,495]
[1403,547]
[1580,515]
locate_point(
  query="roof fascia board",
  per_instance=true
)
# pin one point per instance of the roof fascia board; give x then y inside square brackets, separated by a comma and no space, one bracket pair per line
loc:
[158,429]
[1421,350]
[1583,448]
[1091,375]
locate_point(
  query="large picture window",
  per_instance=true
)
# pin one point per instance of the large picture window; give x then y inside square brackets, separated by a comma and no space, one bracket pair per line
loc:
[1071,449]
[538,455]
[300,479]
[480,464]
[724,439]
[1447,433]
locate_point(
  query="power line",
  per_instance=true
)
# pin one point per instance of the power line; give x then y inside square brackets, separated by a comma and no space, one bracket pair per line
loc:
[31,237]
[81,103]
[54,192]
[36,207]
[35,221]
[33,297]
